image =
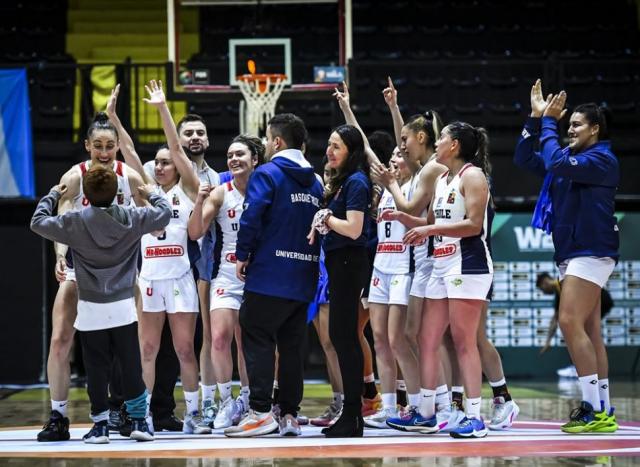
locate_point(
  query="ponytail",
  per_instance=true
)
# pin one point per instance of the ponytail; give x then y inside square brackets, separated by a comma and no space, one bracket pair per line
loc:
[474,144]
[430,123]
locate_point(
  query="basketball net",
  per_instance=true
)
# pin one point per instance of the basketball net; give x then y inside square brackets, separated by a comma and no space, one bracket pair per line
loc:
[261,94]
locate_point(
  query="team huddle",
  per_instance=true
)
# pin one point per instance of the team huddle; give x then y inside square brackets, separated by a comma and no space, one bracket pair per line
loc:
[398,238]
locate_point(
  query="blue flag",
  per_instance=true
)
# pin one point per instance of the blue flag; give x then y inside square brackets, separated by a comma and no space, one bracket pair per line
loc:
[16,146]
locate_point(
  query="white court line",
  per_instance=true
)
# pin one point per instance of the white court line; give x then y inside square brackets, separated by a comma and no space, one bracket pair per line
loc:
[24,440]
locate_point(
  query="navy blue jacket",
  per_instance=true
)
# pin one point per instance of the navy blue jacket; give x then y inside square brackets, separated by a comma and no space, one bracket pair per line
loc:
[580,187]
[282,198]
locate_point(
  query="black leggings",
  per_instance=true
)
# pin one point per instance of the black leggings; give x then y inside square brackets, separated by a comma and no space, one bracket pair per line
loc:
[347,268]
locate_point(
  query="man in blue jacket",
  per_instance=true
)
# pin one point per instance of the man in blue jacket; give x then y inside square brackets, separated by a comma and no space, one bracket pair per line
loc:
[280,270]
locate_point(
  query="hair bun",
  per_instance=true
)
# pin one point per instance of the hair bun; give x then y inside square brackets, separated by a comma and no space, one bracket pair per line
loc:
[101,117]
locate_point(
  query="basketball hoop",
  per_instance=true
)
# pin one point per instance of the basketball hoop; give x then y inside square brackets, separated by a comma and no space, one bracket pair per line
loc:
[261,93]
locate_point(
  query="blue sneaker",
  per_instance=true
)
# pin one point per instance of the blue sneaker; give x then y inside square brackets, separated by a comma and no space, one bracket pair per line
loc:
[470,428]
[414,422]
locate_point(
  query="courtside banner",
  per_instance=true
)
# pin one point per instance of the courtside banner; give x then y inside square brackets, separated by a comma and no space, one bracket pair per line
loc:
[16,146]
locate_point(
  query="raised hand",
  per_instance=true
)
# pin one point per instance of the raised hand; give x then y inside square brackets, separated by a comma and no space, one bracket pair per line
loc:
[538,102]
[156,94]
[203,192]
[342,97]
[417,235]
[112,102]
[390,94]
[383,175]
[556,109]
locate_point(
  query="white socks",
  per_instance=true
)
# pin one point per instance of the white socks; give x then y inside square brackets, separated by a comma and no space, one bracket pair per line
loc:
[225,390]
[427,403]
[60,406]
[603,394]
[472,407]
[443,399]
[590,394]
[208,391]
[192,401]
[389,400]
[413,400]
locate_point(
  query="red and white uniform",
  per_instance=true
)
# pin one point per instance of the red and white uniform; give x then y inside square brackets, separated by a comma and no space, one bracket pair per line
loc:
[226,289]
[393,263]
[165,280]
[462,266]
[123,197]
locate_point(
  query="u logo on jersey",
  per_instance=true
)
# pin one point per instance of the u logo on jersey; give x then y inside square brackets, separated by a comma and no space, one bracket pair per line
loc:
[376,281]
[219,291]
[85,201]
[149,291]
[120,198]
[231,213]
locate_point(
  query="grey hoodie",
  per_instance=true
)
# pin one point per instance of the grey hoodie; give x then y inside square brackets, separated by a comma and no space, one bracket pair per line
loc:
[105,243]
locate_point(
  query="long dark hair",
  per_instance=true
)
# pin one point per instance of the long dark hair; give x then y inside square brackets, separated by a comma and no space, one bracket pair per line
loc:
[356,159]
[101,122]
[474,144]
[596,115]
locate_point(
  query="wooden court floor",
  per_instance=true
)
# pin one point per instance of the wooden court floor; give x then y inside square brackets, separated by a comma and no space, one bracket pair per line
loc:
[534,440]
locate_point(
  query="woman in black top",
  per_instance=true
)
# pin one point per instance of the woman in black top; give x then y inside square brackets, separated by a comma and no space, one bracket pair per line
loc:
[347,197]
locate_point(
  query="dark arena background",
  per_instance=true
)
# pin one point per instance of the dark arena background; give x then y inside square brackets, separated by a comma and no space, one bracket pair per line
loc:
[470,60]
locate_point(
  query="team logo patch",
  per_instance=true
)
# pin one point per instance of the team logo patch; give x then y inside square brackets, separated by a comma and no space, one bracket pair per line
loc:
[120,197]
[176,292]
[85,201]
[149,291]
[391,247]
[219,291]
[525,133]
[444,250]
[231,213]
[231,258]
[457,282]
[395,282]
[376,281]
[175,201]
[163,251]
[451,198]
[573,161]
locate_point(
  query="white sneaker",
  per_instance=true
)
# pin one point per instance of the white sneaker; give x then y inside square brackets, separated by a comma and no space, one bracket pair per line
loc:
[209,410]
[567,372]
[504,414]
[191,422]
[379,419]
[149,419]
[449,417]
[224,417]
[254,424]
[289,426]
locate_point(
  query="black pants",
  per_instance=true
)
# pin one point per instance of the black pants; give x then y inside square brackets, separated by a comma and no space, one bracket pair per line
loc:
[167,370]
[347,268]
[100,349]
[268,322]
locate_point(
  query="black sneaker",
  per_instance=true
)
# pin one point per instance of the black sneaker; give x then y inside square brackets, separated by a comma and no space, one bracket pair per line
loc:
[170,423]
[56,429]
[125,428]
[140,430]
[116,419]
[99,434]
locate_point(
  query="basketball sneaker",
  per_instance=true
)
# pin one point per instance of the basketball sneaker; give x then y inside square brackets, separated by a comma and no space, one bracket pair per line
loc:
[379,419]
[580,419]
[371,406]
[289,426]
[209,410]
[191,422]
[254,424]
[503,413]
[99,434]
[224,417]
[302,419]
[241,411]
[470,428]
[329,414]
[449,416]
[414,422]
[604,422]
[56,429]
[140,430]
[116,419]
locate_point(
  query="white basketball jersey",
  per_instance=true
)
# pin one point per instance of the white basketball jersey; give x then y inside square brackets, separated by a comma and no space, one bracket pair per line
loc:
[166,256]
[469,255]
[420,252]
[392,255]
[123,195]
[228,219]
